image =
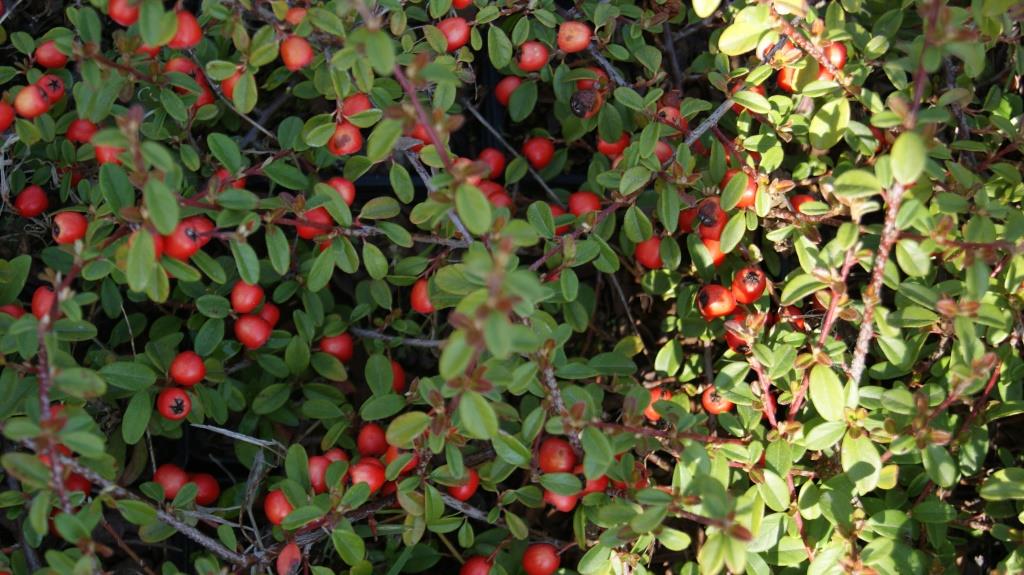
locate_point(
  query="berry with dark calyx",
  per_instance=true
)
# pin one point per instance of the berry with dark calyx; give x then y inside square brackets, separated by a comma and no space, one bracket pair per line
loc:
[419,298]
[748,284]
[563,503]
[289,560]
[371,441]
[476,565]
[533,56]
[749,195]
[173,403]
[586,103]
[456,32]
[124,12]
[715,301]
[503,90]
[252,331]
[69,227]
[31,102]
[246,297]
[208,489]
[296,53]
[172,478]
[539,151]
[467,487]
[711,219]
[42,301]
[80,131]
[188,34]
[345,189]
[369,471]
[736,343]
[340,346]
[686,219]
[184,241]
[31,201]
[648,253]
[556,456]
[276,507]
[714,403]
[48,55]
[187,368]
[583,202]
[347,139]
[541,559]
[573,36]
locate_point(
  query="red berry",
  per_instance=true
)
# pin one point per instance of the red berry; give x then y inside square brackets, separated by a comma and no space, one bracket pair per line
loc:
[208,488]
[563,503]
[461,4]
[597,83]
[533,56]
[317,466]
[670,115]
[583,203]
[541,559]
[31,201]
[715,301]
[252,331]
[495,161]
[345,188]
[205,97]
[748,285]
[69,227]
[184,241]
[799,200]
[648,253]
[368,471]
[497,195]
[735,342]
[711,219]
[289,560]
[749,195]
[371,441]
[276,507]
[108,154]
[355,104]
[556,456]
[836,54]
[556,211]
[347,139]
[337,454]
[270,314]
[246,297]
[790,313]
[295,15]
[173,403]
[340,346]
[394,453]
[538,151]
[714,403]
[80,131]
[12,309]
[612,149]
[228,84]
[319,222]
[188,34]
[225,178]
[187,368]
[419,298]
[657,394]
[686,218]
[456,32]
[296,53]
[476,565]
[467,488]
[397,377]
[787,79]
[573,37]
[503,90]
[6,116]
[124,12]
[172,478]
[76,482]
[42,301]
[31,102]
[183,65]
[48,55]
[714,248]
[598,485]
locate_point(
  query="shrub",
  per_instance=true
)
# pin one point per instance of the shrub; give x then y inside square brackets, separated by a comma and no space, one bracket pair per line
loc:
[287,288]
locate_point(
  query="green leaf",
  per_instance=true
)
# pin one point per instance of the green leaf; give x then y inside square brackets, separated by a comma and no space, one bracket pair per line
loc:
[380,208]
[322,270]
[81,383]
[522,101]
[141,258]
[752,101]
[940,465]
[350,547]
[740,38]
[379,48]
[857,184]
[382,140]
[226,151]
[156,26]
[798,288]
[826,393]
[406,427]
[161,205]
[499,47]
[861,462]
[246,260]
[705,8]
[136,417]
[246,93]
[510,449]
[130,376]
[634,179]
[774,491]
[598,452]
[830,123]
[477,415]
[283,173]
[278,249]
[13,275]
[908,157]
[474,209]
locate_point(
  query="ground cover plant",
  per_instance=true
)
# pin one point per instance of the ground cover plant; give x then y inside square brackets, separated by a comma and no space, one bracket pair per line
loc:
[516,287]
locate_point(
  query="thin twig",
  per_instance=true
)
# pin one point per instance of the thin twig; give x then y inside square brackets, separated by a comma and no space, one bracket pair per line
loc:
[481,515]
[127,549]
[555,393]
[405,341]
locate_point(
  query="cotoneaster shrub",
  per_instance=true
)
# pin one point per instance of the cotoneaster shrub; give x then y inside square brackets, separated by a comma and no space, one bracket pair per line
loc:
[511,287]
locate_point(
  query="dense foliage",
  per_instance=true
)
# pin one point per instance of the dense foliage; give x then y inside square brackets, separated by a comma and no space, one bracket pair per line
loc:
[372,286]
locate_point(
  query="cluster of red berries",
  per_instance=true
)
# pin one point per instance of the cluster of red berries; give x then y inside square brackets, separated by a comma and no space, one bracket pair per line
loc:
[538,559]
[187,369]
[172,478]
